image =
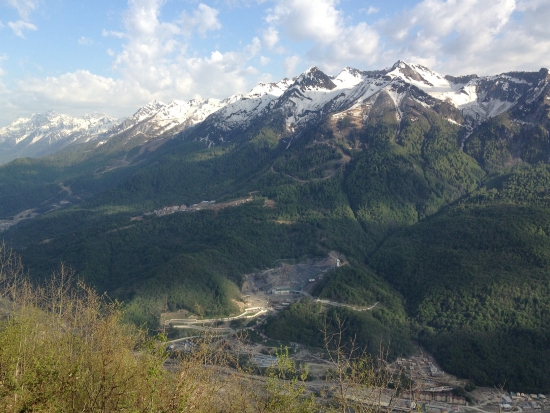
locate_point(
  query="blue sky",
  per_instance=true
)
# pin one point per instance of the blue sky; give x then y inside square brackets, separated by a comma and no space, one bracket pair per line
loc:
[80,56]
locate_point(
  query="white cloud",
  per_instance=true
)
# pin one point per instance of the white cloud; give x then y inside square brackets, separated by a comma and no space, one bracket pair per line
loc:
[152,64]
[107,33]
[280,50]
[372,10]
[334,44]
[23,7]
[90,87]
[243,3]
[149,44]
[220,75]
[472,23]
[319,21]
[203,19]
[20,25]
[155,58]
[155,55]
[360,41]
[482,36]
[2,58]
[253,48]
[5,114]
[452,36]
[85,41]
[77,92]
[270,37]
[290,65]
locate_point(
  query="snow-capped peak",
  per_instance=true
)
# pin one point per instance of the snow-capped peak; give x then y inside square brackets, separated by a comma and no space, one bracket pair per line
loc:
[411,72]
[313,78]
[94,115]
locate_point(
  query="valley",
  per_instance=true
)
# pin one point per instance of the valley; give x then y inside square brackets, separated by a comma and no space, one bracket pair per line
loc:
[403,206]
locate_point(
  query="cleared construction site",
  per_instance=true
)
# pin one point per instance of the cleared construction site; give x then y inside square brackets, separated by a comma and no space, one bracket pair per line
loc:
[287,278]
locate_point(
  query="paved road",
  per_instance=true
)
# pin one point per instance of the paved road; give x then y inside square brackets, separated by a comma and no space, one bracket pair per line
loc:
[248,313]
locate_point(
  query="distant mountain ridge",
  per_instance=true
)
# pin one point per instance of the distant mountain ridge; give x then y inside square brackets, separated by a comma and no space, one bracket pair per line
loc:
[46,133]
[306,98]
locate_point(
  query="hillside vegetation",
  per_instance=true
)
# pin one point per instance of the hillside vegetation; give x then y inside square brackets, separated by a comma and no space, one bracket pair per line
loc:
[479,274]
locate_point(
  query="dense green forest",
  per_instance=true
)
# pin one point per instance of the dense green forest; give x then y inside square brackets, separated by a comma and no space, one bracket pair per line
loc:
[478,273]
[306,322]
[450,237]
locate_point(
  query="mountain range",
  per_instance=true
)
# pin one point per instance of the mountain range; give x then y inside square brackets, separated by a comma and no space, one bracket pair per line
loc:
[432,189]
[46,133]
[307,98]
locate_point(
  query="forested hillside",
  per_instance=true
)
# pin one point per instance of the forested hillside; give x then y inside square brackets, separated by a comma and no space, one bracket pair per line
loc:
[478,274]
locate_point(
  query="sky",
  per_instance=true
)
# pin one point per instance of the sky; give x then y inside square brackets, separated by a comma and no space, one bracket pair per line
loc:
[114,56]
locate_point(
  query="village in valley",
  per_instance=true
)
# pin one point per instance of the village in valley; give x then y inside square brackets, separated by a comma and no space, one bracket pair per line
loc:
[201,206]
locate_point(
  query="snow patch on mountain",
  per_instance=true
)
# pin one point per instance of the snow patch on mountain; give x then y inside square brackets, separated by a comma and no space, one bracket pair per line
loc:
[397,98]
